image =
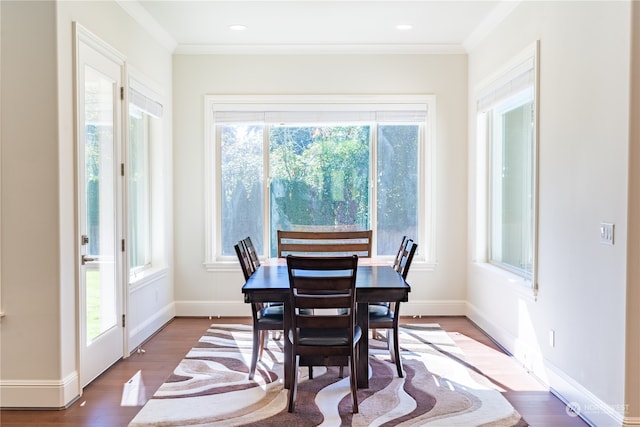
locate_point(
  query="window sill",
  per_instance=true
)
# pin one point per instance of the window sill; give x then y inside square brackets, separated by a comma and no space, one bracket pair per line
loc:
[147,276]
[525,288]
[232,265]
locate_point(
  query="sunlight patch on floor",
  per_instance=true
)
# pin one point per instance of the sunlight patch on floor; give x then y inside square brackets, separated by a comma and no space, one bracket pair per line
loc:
[134,391]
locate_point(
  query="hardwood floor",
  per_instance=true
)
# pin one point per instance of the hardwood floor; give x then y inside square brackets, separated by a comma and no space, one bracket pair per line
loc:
[114,398]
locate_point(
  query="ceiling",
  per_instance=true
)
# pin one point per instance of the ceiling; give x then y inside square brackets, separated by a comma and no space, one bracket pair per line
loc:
[318,26]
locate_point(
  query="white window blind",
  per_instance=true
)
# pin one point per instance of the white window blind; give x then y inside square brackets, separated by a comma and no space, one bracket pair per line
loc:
[519,78]
[287,118]
[144,99]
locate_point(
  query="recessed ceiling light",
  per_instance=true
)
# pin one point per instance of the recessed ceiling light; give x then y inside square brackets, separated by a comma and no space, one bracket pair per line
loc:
[237,27]
[404,27]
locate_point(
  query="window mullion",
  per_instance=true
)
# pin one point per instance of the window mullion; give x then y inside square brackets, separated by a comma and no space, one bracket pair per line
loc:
[266,179]
[373,185]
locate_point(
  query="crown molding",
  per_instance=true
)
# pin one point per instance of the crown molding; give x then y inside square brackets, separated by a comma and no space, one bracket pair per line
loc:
[498,15]
[146,21]
[134,9]
[320,49]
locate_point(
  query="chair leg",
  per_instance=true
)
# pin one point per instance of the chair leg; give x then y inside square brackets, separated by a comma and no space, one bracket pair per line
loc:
[393,341]
[354,382]
[255,351]
[264,337]
[294,383]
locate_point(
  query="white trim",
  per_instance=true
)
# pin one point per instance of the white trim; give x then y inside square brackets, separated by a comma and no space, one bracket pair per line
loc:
[146,277]
[525,63]
[593,411]
[39,393]
[273,103]
[151,325]
[320,49]
[210,196]
[211,308]
[146,21]
[485,28]
[631,421]
[1,311]
[585,404]
[83,37]
[509,69]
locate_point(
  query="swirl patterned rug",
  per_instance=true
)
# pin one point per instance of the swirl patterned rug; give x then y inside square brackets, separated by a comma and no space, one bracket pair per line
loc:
[210,387]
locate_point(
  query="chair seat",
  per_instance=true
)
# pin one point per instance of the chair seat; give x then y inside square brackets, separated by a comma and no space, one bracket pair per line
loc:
[272,311]
[379,310]
[326,337]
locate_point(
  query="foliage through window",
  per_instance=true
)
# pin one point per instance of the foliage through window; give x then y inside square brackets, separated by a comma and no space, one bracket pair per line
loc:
[317,170]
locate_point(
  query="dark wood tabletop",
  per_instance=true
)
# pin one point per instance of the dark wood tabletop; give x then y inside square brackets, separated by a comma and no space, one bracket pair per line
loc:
[270,283]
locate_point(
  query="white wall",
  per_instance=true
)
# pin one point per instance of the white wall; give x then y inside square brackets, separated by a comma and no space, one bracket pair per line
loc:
[30,254]
[583,152]
[38,219]
[198,292]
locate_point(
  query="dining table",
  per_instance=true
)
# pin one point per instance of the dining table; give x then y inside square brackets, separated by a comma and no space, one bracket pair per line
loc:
[374,283]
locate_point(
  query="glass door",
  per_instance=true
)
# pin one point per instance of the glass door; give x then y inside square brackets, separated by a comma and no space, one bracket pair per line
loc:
[99,217]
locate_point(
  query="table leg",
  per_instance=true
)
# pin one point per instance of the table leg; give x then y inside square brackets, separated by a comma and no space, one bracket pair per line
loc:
[362,319]
[287,345]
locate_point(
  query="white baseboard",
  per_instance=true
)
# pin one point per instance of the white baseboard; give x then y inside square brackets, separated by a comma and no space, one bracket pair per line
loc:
[588,406]
[433,308]
[629,421]
[235,308]
[39,394]
[142,332]
[212,308]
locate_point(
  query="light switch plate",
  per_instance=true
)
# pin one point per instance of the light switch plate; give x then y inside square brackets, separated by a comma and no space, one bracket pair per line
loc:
[606,233]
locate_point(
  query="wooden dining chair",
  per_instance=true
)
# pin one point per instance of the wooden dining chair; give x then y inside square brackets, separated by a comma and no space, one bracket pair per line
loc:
[377,307]
[265,317]
[383,316]
[326,332]
[251,251]
[245,262]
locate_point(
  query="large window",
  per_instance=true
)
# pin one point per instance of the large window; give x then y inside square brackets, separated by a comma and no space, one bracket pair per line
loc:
[139,194]
[144,110]
[308,166]
[507,129]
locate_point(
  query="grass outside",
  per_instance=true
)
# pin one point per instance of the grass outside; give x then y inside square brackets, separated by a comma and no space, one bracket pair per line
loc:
[93,303]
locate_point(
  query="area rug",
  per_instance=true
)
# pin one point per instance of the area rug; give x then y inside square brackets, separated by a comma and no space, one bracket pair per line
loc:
[210,387]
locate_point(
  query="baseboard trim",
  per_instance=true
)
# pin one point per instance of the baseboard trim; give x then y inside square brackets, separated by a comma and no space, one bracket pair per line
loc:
[235,308]
[142,332]
[39,394]
[585,404]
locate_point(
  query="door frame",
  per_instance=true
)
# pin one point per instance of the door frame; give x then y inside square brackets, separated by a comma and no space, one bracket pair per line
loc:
[82,35]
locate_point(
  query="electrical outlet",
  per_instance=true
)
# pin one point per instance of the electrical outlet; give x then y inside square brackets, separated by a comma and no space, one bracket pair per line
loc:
[606,233]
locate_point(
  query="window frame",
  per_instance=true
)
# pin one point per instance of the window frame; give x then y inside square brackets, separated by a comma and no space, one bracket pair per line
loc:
[505,88]
[213,258]
[146,97]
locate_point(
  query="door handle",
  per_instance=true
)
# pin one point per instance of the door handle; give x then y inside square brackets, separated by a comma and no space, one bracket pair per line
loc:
[86,259]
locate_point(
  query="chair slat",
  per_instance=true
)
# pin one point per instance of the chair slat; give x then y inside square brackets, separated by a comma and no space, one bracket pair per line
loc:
[322,243]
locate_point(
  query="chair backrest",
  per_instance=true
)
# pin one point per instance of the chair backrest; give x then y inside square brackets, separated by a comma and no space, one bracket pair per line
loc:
[406,258]
[403,245]
[322,283]
[251,251]
[245,262]
[324,243]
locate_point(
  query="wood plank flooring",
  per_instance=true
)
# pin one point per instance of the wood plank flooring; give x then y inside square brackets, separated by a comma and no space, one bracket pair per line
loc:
[114,398]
